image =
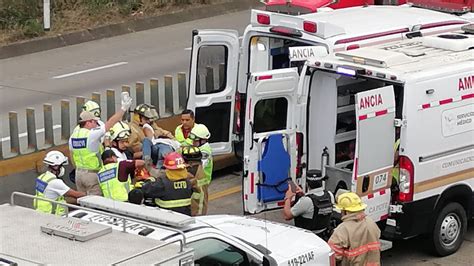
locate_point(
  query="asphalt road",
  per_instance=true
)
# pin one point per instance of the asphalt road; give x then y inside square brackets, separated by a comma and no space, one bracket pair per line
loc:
[79,70]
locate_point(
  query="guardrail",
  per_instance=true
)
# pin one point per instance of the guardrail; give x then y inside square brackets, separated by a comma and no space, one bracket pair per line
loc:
[169,100]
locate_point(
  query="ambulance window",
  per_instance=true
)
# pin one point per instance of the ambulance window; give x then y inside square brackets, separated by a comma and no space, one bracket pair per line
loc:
[211,251]
[211,69]
[270,115]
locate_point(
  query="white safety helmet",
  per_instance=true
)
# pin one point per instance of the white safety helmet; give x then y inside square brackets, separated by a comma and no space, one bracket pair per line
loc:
[55,158]
[92,107]
[120,131]
[200,131]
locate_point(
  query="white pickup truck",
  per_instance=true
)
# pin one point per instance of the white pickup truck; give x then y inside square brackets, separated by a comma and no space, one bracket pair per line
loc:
[215,239]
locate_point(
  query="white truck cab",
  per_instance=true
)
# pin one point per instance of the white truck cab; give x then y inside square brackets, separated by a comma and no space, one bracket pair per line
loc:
[215,239]
[29,237]
[358,105]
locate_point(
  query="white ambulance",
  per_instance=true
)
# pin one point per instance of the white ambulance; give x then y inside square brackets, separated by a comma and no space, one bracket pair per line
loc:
[350,108]
[222,64]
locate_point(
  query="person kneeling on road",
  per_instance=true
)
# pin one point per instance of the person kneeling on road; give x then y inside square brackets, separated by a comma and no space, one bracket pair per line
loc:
[356,241]
[173,191]
[49,185]
[114,178]
[313,210]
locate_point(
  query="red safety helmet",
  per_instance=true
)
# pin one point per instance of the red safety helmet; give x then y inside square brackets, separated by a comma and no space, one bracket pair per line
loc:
[173,161]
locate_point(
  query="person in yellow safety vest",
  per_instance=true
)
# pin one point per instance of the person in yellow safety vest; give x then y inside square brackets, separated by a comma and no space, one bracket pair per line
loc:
[119,135]
[174,191]
[114,178]
[356,241]
[200,136]
[49,185]
[182,131]
[85,145]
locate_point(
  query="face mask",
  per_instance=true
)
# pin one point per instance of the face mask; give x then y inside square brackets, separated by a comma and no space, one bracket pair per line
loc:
[61,171]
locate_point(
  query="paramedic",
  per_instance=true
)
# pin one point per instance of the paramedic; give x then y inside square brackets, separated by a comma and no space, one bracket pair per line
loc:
[313,210]
[174,191]
[200,136]
[356,240]
[85,146]
[119,135]
[49,185]
[182,131]
[114,178]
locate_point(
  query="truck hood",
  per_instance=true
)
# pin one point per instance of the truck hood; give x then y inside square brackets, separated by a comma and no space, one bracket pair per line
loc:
[273,236]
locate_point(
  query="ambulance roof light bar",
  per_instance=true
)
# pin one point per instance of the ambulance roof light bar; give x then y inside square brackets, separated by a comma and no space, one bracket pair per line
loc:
[155,215]
[350,70]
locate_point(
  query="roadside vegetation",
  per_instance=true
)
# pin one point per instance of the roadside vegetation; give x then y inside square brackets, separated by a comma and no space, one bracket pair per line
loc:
[23,19]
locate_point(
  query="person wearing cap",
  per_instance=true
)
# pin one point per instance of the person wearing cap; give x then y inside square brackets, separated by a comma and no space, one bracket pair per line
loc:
[49,185]
[356,241]
[113,177]
[119,135]
[144,114]
[85,146]
[174,191]
[200,136]
[182,131]
[313,210]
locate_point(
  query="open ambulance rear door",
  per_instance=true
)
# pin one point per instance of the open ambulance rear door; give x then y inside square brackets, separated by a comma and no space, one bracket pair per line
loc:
[372,173]
[213,83]
[270,138]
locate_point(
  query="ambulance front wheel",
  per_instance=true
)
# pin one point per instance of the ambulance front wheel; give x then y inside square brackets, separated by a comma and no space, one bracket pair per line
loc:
[449,229]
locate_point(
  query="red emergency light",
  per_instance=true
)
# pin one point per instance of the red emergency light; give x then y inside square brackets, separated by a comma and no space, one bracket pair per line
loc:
[263,19]
[310,6]
[310,26]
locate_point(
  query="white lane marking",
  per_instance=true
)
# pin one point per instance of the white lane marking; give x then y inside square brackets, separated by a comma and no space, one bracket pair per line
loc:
[24,134]
[190,48]
[89,70]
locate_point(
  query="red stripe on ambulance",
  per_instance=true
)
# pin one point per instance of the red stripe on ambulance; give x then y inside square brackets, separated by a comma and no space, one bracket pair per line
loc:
[446,101]
[252,176]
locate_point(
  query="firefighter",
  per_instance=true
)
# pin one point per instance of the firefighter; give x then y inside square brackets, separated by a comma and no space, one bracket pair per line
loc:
[49,185]
[85,145]
[141,146]
[174,191]
[182,131]
[313,210]
[114,178]
[119,135]
[200,136]
[356,241]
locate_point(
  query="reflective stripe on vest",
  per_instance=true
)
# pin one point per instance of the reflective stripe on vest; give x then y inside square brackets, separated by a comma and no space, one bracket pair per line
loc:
[42,182]
[83,157]
[206,148]
[177,194]
[110,185]
[179,135]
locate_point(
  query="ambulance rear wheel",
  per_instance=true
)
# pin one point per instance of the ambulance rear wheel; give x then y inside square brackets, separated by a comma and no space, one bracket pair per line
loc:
[449,229]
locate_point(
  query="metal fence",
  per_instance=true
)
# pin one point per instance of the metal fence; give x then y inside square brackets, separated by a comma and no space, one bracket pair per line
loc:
[169,99]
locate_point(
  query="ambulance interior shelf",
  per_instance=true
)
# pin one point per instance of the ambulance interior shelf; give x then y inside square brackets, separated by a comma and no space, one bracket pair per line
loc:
[333,120]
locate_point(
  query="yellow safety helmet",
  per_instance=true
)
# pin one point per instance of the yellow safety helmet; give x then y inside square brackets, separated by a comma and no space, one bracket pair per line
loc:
[120,131]
[92,107]
[191,153]
[350,201]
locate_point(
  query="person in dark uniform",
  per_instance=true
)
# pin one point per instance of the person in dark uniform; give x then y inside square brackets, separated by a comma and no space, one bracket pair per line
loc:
[313,210]
[173,191]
